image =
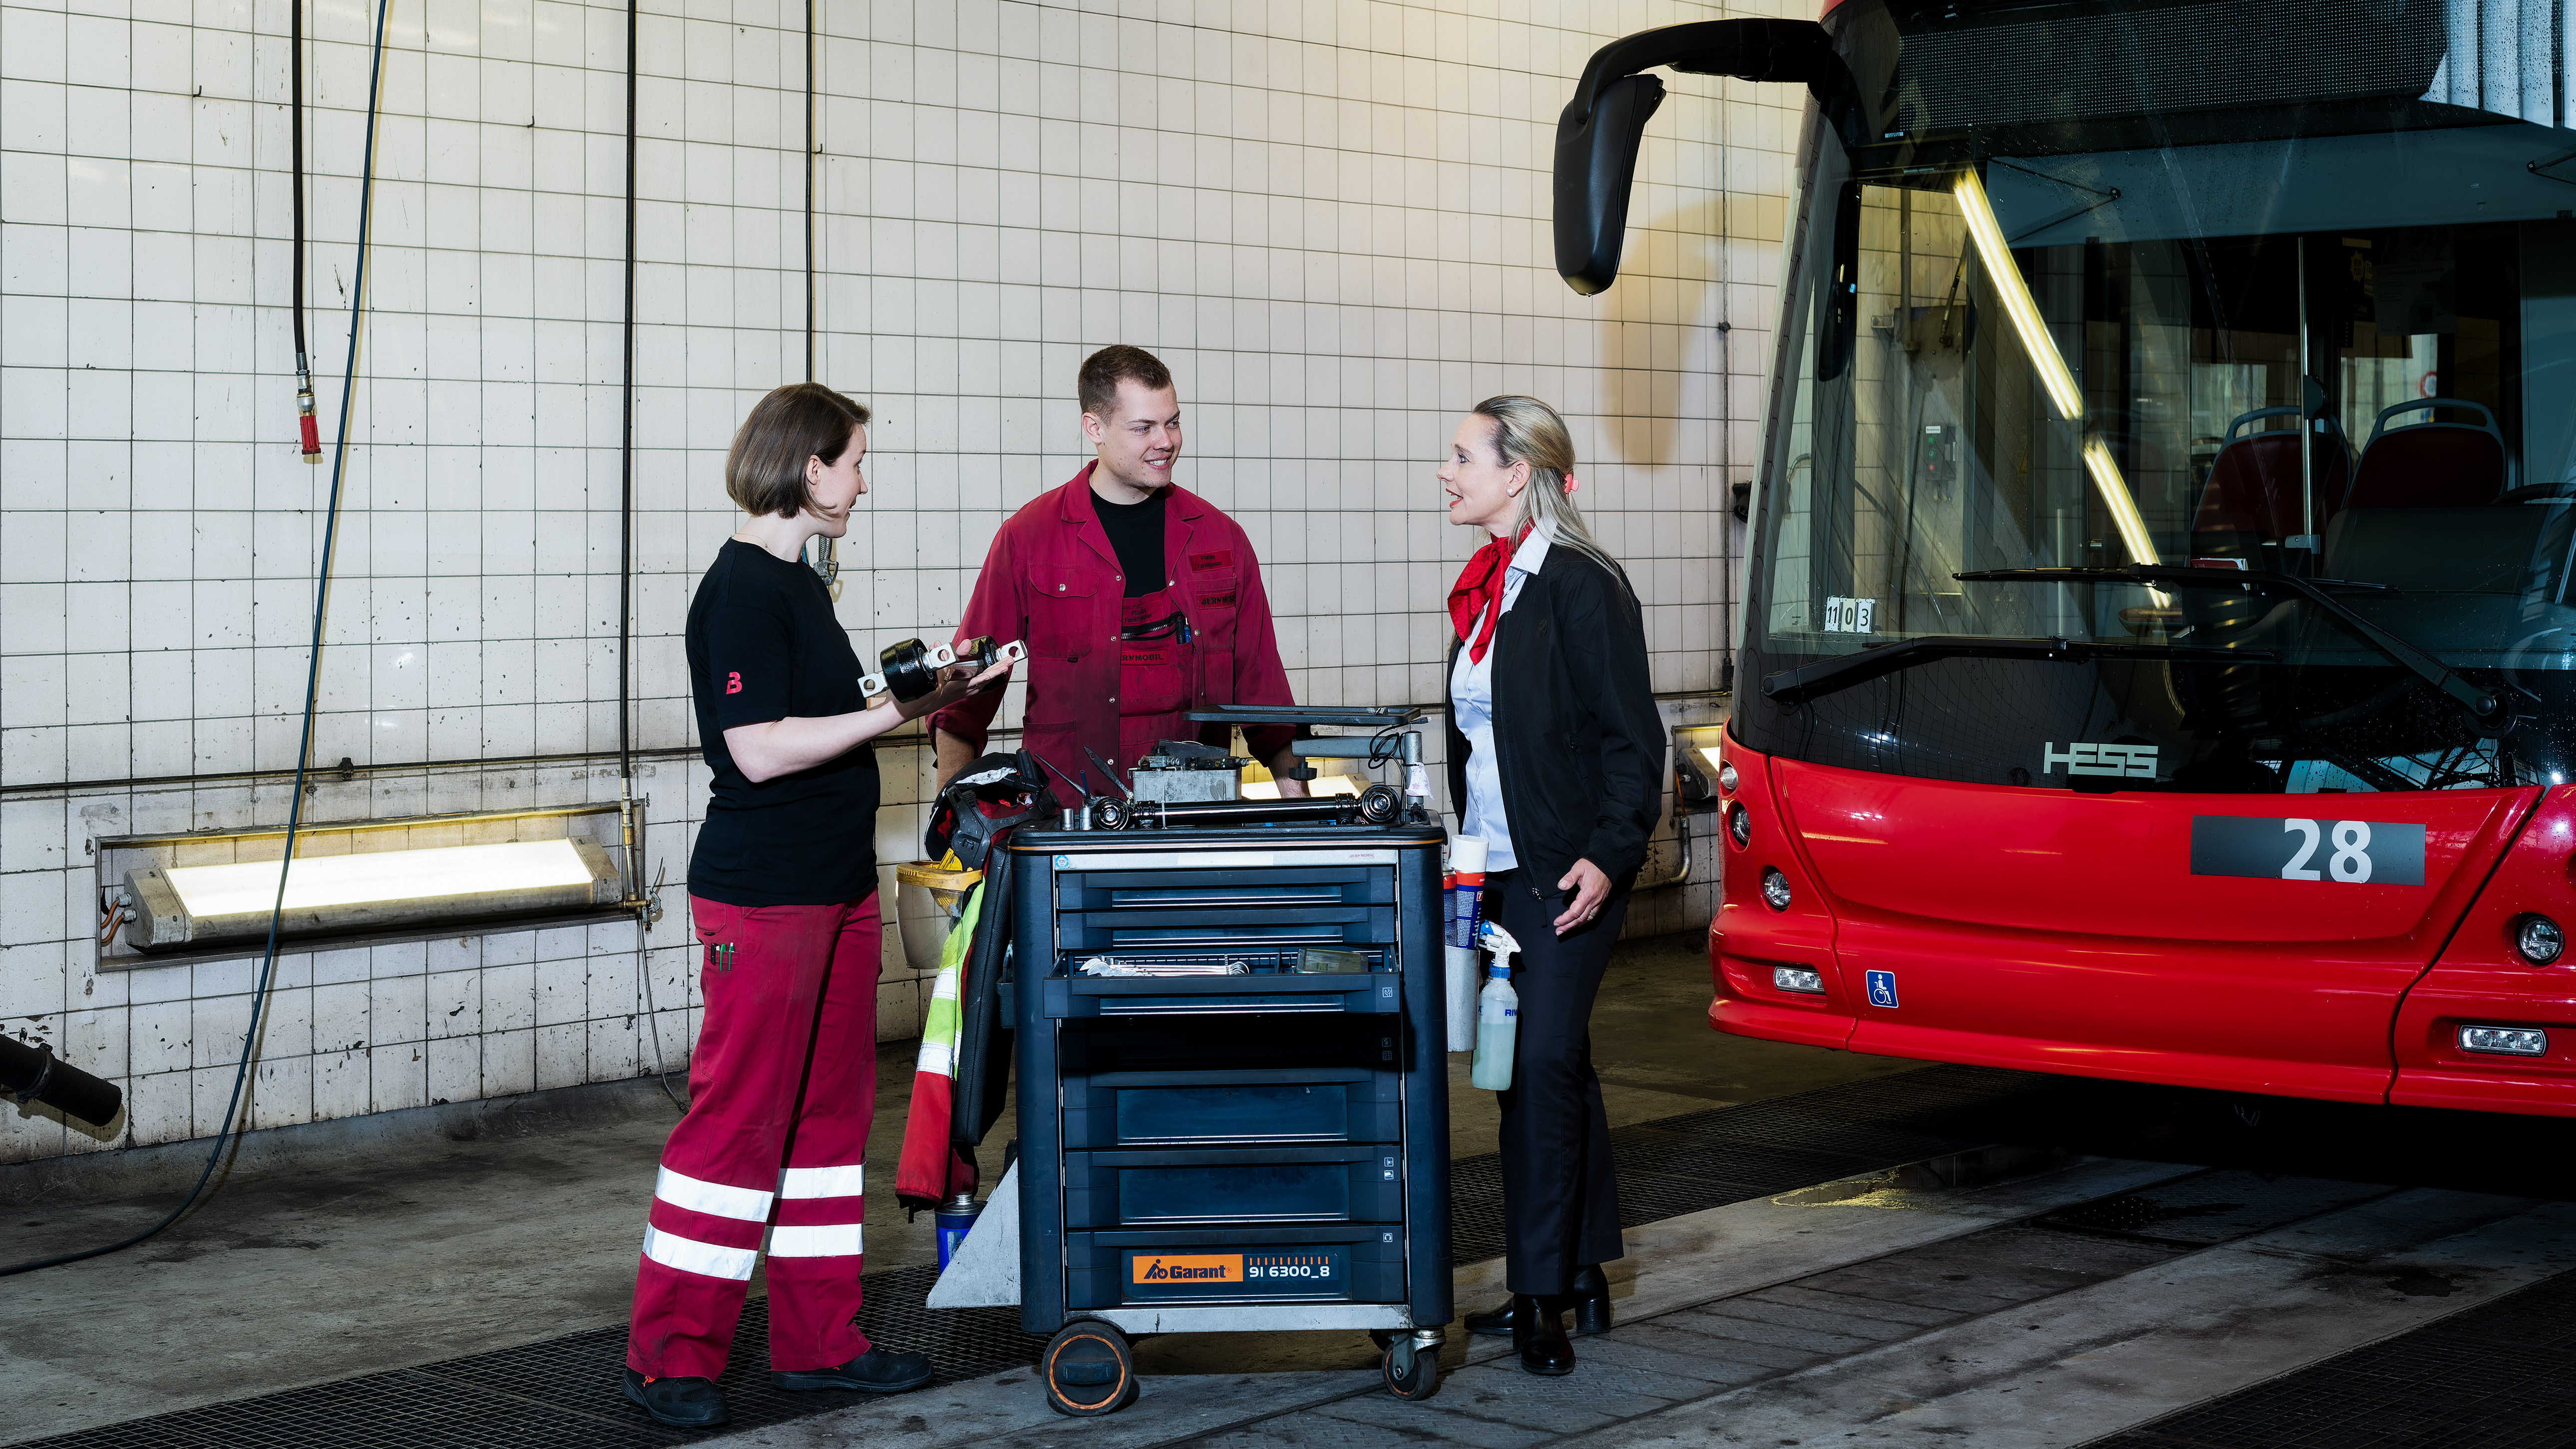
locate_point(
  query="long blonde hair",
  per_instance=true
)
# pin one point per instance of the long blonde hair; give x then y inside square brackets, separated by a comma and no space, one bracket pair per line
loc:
[1529,431]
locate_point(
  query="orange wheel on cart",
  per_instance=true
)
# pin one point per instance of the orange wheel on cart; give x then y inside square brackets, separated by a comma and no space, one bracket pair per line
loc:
[1088,1369]
[1412,1370]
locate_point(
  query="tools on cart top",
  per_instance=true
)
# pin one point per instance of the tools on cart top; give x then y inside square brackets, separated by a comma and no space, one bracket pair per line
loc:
[1185,785]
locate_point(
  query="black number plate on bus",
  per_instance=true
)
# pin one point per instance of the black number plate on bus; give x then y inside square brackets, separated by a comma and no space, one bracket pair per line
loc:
[2345,852]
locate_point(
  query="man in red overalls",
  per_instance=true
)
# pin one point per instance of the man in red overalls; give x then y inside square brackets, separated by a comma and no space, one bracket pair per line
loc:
[1139,600]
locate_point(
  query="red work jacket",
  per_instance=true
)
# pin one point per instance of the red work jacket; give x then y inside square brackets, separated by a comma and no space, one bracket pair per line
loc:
[1053,580]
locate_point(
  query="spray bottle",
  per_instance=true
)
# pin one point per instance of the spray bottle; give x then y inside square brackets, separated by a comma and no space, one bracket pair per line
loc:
[1498,1013]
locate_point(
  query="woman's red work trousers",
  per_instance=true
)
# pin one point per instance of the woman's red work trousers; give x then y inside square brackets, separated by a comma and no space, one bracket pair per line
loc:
[775,1141]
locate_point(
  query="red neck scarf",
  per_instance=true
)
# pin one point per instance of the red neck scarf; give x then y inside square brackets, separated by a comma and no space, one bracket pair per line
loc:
[1479,593]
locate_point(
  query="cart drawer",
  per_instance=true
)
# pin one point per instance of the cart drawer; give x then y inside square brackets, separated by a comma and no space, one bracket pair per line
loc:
[1272,886]
[1249,1187]
[1178,1109]
[1334,1046]
[1216,929]
[1086,996]
[1114,1269]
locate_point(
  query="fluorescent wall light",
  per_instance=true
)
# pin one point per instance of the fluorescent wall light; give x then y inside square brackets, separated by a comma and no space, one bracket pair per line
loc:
[203,904]
[2115,496]
[2018,303]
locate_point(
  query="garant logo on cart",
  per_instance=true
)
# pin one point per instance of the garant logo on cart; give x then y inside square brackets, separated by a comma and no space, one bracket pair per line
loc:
[1201,1268]
[1286,1273]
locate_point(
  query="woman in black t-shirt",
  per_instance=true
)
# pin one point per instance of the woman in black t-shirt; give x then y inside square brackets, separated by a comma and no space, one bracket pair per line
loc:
[782,894]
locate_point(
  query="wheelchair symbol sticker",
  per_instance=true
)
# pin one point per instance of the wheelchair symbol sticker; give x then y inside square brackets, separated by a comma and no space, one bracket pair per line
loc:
[1882,988]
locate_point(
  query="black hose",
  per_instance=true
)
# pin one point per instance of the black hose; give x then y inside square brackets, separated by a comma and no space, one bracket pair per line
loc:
[35,1074]
[626,447]
[306,438]
[312,687]
[809,197]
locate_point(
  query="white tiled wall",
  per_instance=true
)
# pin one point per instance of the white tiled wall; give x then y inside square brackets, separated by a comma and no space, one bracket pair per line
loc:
[1330,218]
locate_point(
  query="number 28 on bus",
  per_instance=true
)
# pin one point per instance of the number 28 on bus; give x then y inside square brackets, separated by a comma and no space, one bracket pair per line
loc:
[2158,643]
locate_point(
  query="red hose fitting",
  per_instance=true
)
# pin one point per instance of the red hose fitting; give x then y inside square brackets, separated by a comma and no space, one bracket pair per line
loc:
[305,423]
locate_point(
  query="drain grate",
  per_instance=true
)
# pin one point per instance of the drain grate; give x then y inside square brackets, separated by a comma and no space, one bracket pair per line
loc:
[561,1393]
[2490,1377]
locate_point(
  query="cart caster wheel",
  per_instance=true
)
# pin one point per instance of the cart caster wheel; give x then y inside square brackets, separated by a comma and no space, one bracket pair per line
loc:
[1411,1372]
[1089,1370]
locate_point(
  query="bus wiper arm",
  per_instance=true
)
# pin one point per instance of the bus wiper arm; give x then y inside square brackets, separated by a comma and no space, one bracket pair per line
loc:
[2487,708]
[1828,676]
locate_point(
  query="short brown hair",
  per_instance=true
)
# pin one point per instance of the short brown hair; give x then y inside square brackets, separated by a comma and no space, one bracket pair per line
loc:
[765,470]
[1102,371]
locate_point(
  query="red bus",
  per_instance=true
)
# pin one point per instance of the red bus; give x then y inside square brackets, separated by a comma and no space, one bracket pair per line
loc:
[2158,643]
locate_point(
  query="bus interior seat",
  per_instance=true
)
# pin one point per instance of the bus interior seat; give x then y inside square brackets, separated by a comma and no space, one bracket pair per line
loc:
[2431,464]
[2252,496]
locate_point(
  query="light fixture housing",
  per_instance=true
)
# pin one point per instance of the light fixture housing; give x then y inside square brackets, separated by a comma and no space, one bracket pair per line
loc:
[2538,939]
[1726,777]
[1798,979]
[1775,888]
[180,906]
[2505,1041]
[1739,825]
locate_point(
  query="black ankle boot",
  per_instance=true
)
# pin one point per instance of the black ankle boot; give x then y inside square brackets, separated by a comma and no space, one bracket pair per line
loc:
[1538,1334]
[1589,1297]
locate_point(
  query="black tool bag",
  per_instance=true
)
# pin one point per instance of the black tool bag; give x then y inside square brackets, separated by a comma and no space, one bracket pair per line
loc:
[974,816]
[982,803]
[981,1071]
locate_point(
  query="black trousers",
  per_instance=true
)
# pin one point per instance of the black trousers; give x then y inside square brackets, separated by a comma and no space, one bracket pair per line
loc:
[1560,1200]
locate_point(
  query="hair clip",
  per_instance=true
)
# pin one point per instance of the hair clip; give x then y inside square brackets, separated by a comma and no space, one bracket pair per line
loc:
[1572,483]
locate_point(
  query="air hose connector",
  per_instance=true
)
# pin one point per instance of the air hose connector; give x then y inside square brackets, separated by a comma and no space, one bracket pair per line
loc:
[306,424]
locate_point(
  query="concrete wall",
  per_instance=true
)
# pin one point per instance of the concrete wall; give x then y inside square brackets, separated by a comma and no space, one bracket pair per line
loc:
[1330,218]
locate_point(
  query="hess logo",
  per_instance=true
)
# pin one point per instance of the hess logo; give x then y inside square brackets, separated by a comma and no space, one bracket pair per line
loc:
[2081,758]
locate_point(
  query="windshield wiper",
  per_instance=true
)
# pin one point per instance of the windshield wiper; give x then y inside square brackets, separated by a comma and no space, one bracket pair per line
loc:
[2484,706]
[1826,676]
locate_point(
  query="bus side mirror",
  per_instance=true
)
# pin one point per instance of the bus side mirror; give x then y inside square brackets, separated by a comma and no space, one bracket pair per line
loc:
[1597,136]
[1596,159]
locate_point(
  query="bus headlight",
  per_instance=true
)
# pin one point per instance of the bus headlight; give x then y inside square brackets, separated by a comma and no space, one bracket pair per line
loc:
[2538,939]
[1726,777]
[1796,978]
[1775,888]
[1739,826]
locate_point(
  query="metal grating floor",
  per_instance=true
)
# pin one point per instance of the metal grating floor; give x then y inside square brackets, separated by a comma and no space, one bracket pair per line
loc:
[2490,1377]
[561,1393]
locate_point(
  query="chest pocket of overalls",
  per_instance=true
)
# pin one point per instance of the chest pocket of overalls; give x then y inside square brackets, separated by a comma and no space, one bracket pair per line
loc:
[1061,612]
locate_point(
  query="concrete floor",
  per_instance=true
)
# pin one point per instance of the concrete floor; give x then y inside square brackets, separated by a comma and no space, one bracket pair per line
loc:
[346,1248]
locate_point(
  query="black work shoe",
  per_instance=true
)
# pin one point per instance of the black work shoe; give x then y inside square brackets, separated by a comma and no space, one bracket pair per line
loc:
[682,1403]
[1589,1298]
[873,1372]
[1538,1333]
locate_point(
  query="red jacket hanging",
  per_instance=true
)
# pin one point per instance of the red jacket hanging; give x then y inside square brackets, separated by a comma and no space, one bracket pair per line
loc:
[1053,579]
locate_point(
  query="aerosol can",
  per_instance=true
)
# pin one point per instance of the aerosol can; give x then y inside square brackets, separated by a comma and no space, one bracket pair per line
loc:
[1498,1013]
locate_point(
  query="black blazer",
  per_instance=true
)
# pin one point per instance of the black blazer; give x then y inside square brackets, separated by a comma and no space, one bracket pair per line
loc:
[1577,740]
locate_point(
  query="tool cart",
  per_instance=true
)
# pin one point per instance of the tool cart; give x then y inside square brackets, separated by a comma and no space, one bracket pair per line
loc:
[1233,1090]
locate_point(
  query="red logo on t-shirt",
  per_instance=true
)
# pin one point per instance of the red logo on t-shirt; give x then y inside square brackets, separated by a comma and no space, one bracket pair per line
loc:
[733,682]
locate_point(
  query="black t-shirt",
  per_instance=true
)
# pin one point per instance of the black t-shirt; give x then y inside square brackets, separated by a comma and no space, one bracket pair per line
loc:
[763,645]
[1136,531]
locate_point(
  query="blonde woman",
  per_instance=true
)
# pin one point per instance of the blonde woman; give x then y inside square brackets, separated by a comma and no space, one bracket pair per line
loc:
[1555,760]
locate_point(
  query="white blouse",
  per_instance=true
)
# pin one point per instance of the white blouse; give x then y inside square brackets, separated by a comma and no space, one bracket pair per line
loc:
[1471,701]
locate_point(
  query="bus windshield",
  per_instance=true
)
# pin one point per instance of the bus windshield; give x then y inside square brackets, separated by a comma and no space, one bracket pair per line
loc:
[2065,309]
